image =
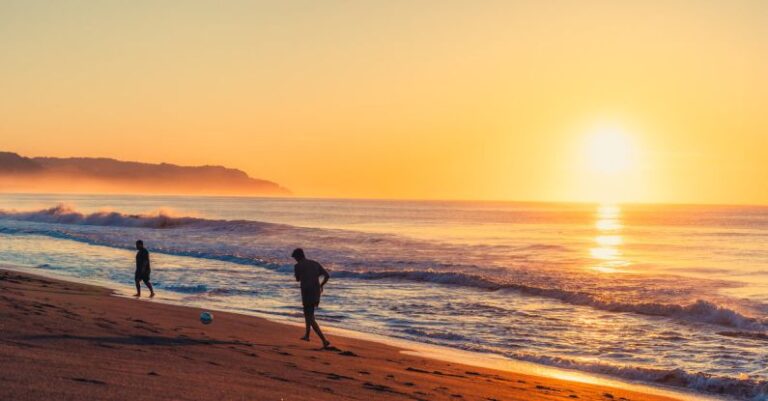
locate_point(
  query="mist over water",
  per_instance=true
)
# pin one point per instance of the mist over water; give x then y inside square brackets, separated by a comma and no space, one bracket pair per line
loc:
[676,295]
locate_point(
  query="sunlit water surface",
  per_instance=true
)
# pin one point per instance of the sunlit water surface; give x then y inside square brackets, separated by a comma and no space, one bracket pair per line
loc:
[675,295]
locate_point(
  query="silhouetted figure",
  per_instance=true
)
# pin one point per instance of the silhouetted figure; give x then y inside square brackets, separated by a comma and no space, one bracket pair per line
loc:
[308,273]
[142,269]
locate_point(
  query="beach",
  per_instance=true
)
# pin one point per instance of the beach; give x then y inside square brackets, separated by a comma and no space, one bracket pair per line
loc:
[67,341]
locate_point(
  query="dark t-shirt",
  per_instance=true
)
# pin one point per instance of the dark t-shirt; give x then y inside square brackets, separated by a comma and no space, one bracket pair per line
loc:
[142,260]
[308,272]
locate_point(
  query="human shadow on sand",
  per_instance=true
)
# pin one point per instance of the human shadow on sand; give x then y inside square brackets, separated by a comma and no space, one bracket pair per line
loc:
[134,340]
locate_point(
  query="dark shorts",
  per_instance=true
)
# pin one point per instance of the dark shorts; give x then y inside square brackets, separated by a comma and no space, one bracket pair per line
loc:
[141,276]
[310,296]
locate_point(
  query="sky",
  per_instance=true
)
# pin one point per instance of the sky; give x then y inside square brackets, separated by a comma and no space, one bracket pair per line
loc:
[633,101]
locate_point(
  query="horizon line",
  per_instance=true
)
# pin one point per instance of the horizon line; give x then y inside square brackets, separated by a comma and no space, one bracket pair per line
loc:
[389,199]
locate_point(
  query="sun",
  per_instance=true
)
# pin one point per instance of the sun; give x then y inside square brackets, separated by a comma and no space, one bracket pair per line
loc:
[609,151]
[609,164]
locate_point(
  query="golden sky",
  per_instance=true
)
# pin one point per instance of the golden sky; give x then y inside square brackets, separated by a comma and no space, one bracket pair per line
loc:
[404,99]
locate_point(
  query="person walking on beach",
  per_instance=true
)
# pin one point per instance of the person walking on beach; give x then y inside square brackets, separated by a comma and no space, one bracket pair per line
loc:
[142,269]
[308,273]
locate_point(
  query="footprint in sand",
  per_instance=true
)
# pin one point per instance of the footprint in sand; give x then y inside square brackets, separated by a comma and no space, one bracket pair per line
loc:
[280,379]
[378,387]
[334,376]
[89,381]
[106,321]
[149,329]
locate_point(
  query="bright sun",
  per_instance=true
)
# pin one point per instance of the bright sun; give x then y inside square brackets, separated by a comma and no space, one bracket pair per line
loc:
[609,165]
[609,151]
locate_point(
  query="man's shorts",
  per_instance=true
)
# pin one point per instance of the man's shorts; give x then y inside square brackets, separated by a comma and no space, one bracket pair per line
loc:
[141,276]
[310,296]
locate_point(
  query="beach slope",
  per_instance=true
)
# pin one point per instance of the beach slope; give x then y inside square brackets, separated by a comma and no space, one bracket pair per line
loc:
[65,341]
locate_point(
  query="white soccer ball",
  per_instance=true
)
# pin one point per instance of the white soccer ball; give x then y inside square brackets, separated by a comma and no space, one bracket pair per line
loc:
[206,318]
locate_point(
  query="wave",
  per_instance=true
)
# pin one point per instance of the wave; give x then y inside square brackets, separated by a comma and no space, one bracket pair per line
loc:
[699,311]
[745,334]
[187,289]
[742,387]
[204,289]
[436,335]
[232,292]
[225,240]
[63,214]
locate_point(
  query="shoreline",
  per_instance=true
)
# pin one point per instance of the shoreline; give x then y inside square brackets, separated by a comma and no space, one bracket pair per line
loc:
[399,353]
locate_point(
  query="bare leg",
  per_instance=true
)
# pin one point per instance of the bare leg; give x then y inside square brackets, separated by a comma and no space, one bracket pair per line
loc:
[151,290]
[138,289]
[308,316]
[319,332]
[311,321]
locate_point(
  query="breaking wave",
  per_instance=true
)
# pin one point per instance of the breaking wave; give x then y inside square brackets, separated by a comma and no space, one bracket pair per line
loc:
[699,311]
[742,387]
[63,214]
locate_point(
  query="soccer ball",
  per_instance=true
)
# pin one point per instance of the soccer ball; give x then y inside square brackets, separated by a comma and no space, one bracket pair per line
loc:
[206,318]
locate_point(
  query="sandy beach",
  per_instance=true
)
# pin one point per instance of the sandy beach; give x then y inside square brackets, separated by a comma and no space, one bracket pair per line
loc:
[67,341]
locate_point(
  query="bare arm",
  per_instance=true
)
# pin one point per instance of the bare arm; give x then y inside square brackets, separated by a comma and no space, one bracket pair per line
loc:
[325,275]
[296,273]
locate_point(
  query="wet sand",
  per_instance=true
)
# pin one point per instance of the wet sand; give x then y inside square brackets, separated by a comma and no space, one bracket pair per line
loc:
[66,341]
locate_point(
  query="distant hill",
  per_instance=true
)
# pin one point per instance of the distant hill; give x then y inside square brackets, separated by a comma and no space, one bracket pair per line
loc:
[81,174]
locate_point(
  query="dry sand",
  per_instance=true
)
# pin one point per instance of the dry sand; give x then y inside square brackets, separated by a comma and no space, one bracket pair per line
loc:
[65,341]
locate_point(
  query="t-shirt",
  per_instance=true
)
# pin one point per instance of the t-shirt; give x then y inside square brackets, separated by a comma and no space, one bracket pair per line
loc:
[142,259]
[308,272]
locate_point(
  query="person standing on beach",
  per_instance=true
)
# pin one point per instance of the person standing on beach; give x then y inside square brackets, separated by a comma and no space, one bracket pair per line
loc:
[142,269]
[308,273]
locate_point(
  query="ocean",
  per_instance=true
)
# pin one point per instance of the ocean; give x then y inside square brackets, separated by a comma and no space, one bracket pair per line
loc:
[671,295]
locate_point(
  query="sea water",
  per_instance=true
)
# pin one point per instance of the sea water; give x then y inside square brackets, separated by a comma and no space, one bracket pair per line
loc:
[668,294]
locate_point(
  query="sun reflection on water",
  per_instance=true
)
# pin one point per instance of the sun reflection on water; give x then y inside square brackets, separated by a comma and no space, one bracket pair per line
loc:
[607,253]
